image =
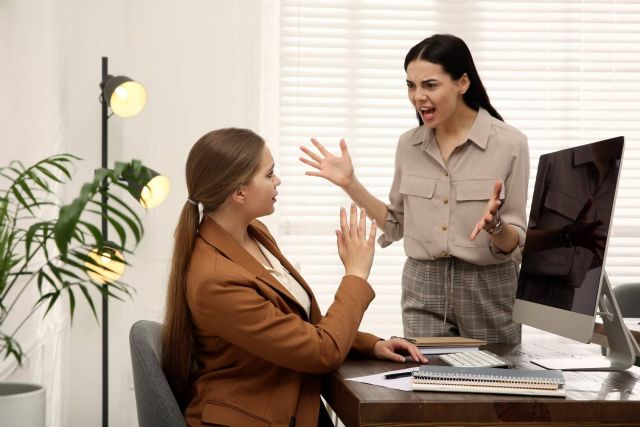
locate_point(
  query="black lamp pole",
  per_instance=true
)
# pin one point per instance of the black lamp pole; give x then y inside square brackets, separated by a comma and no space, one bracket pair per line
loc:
[105,300]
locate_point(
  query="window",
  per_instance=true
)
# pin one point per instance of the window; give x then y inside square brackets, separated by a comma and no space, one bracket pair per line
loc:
[564,72]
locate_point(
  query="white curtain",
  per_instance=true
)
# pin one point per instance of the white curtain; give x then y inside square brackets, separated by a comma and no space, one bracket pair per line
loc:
[564,72]
[32,126]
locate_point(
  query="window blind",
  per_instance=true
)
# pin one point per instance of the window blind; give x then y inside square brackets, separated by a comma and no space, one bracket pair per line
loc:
[563,72]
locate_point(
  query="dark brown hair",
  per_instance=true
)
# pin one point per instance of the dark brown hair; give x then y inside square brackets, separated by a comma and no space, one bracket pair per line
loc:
[218,164]
[454,56]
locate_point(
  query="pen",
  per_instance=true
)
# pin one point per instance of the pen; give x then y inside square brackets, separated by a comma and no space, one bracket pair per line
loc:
[397,375]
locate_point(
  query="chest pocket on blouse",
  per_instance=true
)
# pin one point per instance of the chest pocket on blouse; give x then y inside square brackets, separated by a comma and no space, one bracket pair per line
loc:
[417,194]
[561,203]
[471,199]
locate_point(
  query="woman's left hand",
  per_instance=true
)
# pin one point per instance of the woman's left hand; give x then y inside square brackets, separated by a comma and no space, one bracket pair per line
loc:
[490,211]
[395,350]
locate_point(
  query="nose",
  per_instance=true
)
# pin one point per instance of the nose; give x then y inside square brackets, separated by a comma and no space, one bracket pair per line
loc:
[420,94]
[276,180]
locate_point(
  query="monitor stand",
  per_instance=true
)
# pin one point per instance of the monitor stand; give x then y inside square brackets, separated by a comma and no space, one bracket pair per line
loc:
[622,348]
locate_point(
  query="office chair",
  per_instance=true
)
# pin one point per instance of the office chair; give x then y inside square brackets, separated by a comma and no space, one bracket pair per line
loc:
[157,406]
[628,298]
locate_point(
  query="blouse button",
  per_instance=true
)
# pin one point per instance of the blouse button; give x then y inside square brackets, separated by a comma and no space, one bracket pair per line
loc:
[444,253]
[444,227]
[445,200]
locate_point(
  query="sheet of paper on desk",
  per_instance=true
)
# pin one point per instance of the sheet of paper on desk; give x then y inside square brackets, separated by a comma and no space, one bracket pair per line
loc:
[403,383]
[445,350]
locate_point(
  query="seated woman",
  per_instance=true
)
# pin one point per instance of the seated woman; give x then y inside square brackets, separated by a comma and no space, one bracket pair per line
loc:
[238,310]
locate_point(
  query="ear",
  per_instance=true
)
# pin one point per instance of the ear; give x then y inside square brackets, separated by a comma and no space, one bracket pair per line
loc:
[239,195]
[464,83]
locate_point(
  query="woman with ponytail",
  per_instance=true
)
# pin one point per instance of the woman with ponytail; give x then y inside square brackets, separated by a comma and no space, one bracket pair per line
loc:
[458,199]
[244,342]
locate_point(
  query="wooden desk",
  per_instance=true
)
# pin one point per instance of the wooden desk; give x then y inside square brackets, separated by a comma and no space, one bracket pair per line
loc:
[593,398]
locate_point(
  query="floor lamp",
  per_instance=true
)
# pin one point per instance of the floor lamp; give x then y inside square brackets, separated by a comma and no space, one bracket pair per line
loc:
[126,98]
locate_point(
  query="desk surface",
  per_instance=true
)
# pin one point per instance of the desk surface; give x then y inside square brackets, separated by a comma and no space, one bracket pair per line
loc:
[593,398]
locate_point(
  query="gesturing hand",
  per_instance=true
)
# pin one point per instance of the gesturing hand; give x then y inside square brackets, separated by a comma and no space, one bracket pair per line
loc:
[355,249]
[338,170]
[490,216]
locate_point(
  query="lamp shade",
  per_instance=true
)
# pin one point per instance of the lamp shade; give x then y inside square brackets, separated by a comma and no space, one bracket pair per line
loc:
[125,96]
[155,192]
[150,193]
[108,267]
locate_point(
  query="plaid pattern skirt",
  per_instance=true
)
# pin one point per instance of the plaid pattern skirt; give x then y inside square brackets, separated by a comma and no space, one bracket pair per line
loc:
[451,297]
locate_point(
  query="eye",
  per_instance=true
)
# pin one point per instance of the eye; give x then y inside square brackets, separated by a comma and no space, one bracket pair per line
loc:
[410,85]
[270,175]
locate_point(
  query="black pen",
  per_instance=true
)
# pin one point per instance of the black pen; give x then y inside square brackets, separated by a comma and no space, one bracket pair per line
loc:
[397,375]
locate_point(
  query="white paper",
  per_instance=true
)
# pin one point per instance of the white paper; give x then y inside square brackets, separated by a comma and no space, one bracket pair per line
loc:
[445,350]
[403,383]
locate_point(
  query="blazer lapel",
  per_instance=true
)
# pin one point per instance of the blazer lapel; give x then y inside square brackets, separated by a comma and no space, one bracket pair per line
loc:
[267,242]
[217,237]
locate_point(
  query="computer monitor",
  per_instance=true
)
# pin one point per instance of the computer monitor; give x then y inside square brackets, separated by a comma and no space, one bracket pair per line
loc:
[561,276]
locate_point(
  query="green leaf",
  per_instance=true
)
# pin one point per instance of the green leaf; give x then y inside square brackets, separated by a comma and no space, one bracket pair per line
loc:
[89,300]
[132,225]
[11,348]
[72,301]
[43,170]
[22,201]
[70,215]
[52,301]
[132,214]
[122,234]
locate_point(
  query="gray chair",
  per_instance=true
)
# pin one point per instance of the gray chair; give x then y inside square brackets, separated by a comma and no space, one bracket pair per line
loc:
[628,298]
[157,406]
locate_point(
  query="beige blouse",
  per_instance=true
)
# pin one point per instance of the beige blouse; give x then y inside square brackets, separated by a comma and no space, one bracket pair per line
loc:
[288,281]
[435,205]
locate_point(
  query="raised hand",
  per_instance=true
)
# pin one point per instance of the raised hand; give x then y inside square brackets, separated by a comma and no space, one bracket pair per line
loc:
[490,215]
[354,247]
[338,170]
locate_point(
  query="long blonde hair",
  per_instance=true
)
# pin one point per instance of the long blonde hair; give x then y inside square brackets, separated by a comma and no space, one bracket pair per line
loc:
[218,164]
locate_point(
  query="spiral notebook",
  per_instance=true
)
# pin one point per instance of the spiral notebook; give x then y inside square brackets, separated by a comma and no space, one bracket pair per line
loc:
[488,380]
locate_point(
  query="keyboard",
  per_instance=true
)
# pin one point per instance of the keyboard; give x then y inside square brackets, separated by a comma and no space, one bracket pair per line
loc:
[475,359]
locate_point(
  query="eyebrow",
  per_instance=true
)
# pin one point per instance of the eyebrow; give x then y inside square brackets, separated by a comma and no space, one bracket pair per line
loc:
[425,81]
[272,167]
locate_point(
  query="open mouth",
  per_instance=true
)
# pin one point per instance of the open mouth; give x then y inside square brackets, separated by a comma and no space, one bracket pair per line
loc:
[427,113]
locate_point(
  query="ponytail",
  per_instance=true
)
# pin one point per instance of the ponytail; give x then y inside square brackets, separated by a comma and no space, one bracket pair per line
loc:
[218,163]
[177,341]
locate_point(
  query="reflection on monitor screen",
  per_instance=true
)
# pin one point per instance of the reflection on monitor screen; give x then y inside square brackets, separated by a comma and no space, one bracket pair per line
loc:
[566,241]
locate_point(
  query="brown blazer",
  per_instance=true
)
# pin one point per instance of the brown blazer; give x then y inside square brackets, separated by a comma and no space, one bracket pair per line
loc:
[259,357]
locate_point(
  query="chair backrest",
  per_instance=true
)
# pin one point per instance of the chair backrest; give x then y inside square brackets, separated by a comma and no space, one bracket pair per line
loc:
[628,298]
[157,406]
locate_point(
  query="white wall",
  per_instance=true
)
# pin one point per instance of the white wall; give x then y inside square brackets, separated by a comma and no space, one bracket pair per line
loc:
[33,115]
[200,63]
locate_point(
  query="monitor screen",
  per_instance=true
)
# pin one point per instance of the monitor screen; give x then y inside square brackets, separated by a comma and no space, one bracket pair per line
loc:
[565,247]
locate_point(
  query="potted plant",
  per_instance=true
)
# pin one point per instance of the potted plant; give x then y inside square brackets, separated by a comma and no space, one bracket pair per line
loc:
[63,256]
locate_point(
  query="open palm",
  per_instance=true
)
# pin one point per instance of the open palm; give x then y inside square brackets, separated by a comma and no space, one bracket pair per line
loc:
[338,170]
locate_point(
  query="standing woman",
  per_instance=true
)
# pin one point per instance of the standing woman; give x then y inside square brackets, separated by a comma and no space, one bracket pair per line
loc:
[458,199]
[240,314]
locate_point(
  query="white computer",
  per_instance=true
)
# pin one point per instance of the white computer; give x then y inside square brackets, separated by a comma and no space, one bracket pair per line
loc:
[562,285]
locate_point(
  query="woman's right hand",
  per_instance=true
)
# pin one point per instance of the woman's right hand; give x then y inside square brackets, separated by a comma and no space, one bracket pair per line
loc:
[338,170]
[355,248]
